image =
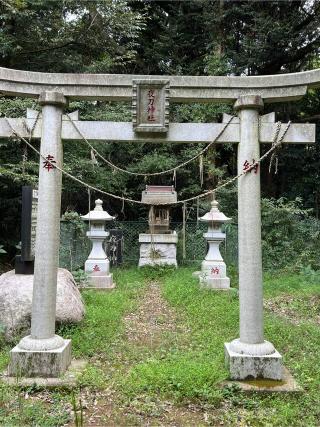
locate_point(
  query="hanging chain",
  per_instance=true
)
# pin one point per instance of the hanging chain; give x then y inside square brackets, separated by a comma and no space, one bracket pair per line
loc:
[25,147]
[89,203]
[31,130]
[201,170]
[274,156]
[184,209]
[197,214]
[24,159]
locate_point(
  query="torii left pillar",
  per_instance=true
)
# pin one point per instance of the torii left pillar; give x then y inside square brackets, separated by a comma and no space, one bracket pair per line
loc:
[42,353]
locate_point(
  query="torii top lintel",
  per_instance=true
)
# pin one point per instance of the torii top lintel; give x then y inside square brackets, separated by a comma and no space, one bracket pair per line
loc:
[272,88]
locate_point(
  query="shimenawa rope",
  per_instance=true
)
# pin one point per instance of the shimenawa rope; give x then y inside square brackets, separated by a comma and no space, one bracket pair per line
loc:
[167,171]
[199,196]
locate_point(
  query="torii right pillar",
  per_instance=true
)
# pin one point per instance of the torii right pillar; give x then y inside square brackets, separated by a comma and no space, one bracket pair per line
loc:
[250,356]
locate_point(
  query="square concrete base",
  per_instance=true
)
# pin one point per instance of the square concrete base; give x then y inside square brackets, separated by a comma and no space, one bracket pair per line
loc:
[286,385]
[99,288]
[101,282]
[50,363]
[244,366]
[68,380]
[214,283]
[158,249]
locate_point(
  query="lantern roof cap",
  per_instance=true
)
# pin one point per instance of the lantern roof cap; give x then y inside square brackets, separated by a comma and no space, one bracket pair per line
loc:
[97,214]
[214,215]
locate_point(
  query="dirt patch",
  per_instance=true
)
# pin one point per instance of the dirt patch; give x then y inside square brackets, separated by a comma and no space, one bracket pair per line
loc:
[296,309]
[154,319]
[144,412]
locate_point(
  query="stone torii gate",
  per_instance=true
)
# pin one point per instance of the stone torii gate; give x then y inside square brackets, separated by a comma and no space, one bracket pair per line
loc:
[45,354]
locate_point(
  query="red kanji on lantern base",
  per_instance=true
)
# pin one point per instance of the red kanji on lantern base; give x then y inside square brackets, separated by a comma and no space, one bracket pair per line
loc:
[215,270]
[96,268]
[48,163]
[247,167]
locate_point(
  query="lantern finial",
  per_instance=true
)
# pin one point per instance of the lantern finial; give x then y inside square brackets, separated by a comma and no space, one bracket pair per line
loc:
[98,206]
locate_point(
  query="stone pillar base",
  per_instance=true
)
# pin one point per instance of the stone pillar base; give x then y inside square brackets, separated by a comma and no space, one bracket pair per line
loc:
[245,366]
[158,249]
[214,283]
[46,363]
[214,274]
[101,282]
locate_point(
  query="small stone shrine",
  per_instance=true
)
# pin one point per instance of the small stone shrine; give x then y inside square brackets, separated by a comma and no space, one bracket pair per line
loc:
[159,245]
[97,265]
[213,269]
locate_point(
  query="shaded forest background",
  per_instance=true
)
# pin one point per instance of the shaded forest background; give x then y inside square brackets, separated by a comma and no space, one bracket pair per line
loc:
[202,37]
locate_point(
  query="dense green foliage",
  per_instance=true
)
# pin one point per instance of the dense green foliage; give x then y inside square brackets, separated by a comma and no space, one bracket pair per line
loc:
[290,236]
[203,37]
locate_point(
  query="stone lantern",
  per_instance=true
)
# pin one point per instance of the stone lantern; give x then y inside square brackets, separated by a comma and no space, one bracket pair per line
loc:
[97,265]
[213,269]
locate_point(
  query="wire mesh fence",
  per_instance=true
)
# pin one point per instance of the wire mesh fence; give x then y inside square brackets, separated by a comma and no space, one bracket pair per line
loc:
[75,246]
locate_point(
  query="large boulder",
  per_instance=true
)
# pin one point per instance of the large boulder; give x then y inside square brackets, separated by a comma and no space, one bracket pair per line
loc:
[16,302]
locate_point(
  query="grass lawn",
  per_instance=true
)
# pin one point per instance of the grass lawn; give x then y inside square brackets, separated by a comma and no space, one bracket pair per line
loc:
[155,352]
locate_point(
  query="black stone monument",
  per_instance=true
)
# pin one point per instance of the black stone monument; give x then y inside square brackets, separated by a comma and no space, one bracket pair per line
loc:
[24,263]
[114,247]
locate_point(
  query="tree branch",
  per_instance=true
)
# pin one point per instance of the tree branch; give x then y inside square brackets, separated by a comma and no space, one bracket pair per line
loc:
[49,48]
[285,59]
[75,41]
[307,119]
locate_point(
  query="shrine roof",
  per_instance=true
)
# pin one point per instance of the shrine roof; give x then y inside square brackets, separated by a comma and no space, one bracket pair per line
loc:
[159,194]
